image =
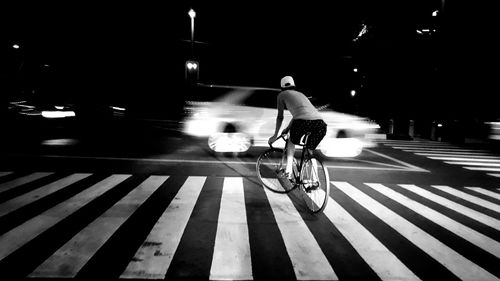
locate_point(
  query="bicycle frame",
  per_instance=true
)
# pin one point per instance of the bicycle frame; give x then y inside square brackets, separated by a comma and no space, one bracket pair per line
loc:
[311,178]
[305,153]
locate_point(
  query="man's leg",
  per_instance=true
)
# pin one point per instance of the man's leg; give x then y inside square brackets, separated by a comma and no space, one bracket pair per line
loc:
[314,171]
[290,152]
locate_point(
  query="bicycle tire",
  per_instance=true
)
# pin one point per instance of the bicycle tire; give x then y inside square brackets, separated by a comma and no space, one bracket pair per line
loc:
[315,184]
[268,164]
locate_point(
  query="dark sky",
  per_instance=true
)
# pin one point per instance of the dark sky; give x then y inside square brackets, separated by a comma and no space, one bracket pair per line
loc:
[256,35]
[121,48]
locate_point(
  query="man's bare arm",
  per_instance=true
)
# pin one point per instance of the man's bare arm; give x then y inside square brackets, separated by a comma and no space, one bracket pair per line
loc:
[279,121]
[279,118]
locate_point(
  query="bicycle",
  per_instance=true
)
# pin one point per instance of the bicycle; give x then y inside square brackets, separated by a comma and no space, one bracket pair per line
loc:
[310,176]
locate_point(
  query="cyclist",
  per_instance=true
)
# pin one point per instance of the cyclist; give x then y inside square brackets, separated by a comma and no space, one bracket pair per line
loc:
[305,118]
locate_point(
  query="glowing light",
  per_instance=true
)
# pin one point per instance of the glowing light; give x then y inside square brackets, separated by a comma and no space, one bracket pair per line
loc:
[353,93]
[15,46]
[58,107]
[200,127]
[440,125]
[58,114]
[364,30]
[192,13]
[426,31]
[496,124]
[435,13]
[341,147]
[355,70]
[59,142]
[192,65]
[17,102]
[118,108]
[229,142]
[30,113]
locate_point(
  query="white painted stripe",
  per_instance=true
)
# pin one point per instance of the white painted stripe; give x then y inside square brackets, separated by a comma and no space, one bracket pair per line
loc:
[39,193]
[467,163]
[308,260]
[471,198]
[486,169]
[17,237]
[377,256]
[414,141]
[420,144]
[221,161]
[469,234]
[4,174]
[446,153]
[273,182]
[439,149]
[410,166]
[469,156]
[153,258]
[471,213]
[475,159]
[70,258]
[456,263]
[231,259]
[495,175]
[160,160]
[424,146]
[22,180]
[403,169]
[485,192]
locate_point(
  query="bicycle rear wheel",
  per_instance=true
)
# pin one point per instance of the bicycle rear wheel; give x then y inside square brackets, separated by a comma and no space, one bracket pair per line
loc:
[315,184]
[269,164]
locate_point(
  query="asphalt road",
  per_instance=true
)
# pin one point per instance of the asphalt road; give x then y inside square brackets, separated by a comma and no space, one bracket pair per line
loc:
[156,204]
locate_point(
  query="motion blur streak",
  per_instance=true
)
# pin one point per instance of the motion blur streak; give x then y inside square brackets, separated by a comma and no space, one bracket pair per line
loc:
[58,114]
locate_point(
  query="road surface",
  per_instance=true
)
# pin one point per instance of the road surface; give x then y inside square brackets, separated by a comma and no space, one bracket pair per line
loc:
[156,207]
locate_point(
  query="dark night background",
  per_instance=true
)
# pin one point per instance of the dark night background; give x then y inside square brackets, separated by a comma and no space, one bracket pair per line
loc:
[134,53]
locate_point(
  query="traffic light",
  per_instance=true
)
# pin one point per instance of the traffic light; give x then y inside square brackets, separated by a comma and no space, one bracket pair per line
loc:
[192,71]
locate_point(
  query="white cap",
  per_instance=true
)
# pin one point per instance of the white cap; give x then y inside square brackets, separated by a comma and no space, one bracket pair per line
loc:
[287,82]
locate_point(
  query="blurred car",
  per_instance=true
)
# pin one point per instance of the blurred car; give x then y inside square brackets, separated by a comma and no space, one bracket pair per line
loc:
[37,120]
[494,130]
[242,117]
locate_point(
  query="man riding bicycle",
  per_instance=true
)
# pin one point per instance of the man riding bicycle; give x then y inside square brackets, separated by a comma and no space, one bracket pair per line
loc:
[305,119]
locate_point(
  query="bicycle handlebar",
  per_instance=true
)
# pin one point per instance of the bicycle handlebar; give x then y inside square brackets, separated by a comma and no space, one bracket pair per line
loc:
[282,136]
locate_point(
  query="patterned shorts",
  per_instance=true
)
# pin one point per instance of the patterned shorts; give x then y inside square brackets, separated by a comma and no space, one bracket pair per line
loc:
[300,127]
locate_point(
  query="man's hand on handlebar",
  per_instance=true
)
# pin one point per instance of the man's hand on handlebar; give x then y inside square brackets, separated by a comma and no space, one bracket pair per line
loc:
[273,138]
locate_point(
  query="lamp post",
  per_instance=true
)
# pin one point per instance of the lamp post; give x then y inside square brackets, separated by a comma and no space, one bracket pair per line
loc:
[192,15]
[192,71]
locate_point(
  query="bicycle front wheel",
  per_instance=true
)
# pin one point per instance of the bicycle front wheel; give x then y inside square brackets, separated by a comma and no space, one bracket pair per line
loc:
[269,165]
[315,184]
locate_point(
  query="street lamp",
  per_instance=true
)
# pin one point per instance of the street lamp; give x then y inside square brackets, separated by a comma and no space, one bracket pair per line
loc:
[192,71]
[192,65]
[192,15]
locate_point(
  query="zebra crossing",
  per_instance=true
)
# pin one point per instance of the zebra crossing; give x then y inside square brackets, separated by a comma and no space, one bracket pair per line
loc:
[141,226]
[470,159]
